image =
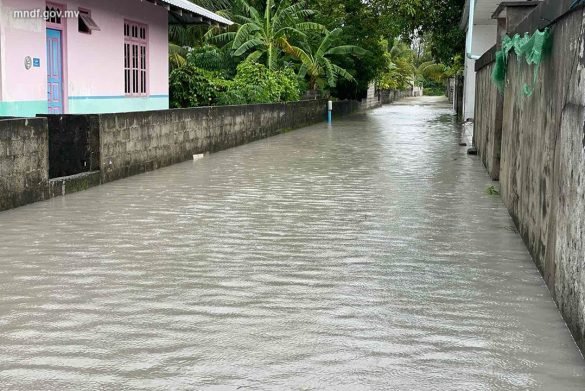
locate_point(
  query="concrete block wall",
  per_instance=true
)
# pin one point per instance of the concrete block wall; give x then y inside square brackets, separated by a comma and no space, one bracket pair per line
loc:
[372,99]
[81,151]
[24,161]
[542,171]
[132,143]
[389,96]
[487,132]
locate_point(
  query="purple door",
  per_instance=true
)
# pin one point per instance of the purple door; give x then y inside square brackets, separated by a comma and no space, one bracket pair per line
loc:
[55,71]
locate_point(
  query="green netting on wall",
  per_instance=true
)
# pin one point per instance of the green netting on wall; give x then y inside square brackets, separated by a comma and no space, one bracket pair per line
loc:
[532,48]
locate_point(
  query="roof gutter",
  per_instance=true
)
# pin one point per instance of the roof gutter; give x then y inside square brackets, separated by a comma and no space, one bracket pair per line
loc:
[197,13]
[470,22]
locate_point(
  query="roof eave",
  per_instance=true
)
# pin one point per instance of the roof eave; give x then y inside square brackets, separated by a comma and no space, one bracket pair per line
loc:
[191,14]
[178,18]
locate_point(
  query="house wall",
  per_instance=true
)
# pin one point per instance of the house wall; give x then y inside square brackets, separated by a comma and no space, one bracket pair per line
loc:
[484,37]
[96,74]
[94,63]
[1,48]
[24,92]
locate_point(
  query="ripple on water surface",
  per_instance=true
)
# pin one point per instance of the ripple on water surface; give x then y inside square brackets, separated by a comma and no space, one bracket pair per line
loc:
[362,256]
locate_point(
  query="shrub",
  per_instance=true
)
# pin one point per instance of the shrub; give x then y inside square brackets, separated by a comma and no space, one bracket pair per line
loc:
[191,86]
[434,91]
[255,83]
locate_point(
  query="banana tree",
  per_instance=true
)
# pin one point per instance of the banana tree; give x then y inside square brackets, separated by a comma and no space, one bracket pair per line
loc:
[317,64]
[266,35]
[182,37]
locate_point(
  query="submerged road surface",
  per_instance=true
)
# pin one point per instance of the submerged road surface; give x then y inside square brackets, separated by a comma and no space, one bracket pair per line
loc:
[366,256]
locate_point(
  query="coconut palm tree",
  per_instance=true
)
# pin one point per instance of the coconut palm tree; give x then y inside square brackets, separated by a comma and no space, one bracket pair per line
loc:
[316,63]
[400,72]
[432,71]
[265,36]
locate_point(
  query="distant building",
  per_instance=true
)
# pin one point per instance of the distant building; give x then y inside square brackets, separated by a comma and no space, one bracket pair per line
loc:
[88,56]
[480,39]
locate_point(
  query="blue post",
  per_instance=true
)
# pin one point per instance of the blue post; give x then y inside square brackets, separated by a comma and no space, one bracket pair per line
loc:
[330,112]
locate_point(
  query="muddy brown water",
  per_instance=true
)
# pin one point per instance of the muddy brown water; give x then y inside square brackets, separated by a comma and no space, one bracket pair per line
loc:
[366,255]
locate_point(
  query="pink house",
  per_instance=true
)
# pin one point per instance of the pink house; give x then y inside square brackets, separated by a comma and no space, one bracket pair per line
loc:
[88,56]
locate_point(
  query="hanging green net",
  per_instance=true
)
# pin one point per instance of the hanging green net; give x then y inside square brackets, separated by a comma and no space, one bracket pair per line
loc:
[532,48]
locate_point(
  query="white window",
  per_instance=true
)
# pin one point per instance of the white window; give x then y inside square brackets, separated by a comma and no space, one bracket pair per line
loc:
[135,59]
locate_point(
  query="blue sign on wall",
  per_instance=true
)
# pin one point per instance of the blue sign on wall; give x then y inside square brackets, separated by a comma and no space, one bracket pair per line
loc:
[36,62]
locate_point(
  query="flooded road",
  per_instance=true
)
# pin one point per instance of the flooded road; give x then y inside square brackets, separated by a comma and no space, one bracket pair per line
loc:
[366,256]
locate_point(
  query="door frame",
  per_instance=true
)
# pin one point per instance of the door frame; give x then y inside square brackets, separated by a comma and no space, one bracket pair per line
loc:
[64,74]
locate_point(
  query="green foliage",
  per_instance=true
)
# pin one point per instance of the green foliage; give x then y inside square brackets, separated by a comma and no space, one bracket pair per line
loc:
[191,86]
[434,91]
[435,21]
[296,50]
[316,60]
[363,26]
[432,71]
[492,190]
[176,56]
[212,58]
[266,35]
[332,45]
[254,83]
[400,70]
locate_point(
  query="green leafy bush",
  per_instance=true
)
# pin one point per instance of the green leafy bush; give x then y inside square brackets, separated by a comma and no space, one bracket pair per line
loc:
[191,86]
[434,90]
[292,90]
[255,83]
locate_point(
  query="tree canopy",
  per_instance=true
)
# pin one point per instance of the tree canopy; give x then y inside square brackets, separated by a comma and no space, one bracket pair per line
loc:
[337,47]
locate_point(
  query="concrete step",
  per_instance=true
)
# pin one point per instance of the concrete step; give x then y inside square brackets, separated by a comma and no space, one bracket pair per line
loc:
[73,183]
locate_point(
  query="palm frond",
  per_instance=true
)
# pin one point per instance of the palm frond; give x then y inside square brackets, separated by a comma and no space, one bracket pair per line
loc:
[254,56]
[346,49]
[245,32]
[339,71]
[248,45]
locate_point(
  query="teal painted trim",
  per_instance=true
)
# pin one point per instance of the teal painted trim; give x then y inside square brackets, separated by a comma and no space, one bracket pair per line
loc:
[116,104]
[113,97]
[23,108]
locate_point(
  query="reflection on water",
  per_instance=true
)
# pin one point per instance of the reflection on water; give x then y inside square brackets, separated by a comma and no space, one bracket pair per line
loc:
[363,256]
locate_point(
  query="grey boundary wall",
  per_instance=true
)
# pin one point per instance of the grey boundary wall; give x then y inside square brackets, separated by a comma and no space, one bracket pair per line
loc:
[131,143]
[54,155]
[542,166]
[24,161]
[487,130]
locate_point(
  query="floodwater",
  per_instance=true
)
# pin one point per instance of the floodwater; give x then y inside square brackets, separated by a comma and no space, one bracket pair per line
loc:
[366,256]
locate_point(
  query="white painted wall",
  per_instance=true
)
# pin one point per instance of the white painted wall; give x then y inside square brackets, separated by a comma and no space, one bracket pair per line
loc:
[484,37]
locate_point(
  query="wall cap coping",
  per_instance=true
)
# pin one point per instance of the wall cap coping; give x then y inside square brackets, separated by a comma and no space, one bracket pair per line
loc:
[486,59]
[515,4]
